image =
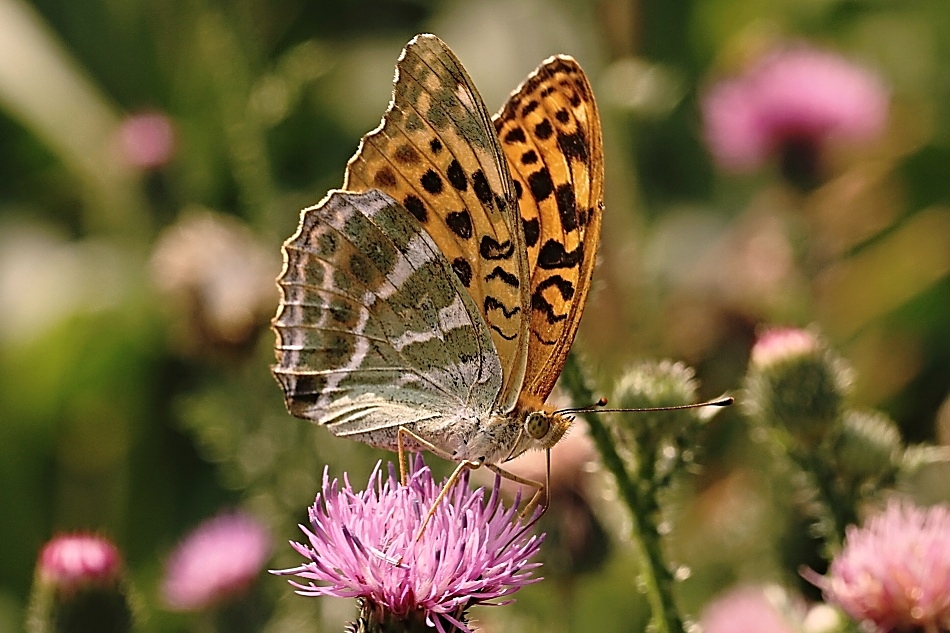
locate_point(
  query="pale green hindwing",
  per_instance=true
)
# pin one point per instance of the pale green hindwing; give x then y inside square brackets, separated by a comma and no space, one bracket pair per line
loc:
[374,330]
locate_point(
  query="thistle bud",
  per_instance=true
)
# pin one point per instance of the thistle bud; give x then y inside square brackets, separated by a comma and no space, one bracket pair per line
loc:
[661,384]
[795,382]
[867,446]
[79,587]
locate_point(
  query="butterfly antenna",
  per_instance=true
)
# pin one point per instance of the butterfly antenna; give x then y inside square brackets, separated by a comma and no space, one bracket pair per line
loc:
[597,407]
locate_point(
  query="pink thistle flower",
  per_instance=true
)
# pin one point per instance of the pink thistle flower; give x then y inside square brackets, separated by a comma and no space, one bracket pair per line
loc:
[363,545]
[146,140]
[894,572]
[218,560]
[792,102]
[745,609]
[779,344]
[71,561]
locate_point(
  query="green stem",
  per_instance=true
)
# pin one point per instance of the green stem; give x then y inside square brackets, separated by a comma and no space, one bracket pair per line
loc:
[837,507]
[657,581]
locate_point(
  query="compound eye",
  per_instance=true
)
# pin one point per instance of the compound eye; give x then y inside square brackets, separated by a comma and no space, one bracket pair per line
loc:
[537,425]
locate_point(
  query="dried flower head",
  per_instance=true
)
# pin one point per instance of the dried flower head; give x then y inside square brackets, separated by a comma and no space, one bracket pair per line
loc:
[792,102]
[894,572]
[363,545]
[217,280]
[216,561]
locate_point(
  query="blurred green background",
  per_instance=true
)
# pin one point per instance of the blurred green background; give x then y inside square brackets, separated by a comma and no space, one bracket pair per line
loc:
[137,262]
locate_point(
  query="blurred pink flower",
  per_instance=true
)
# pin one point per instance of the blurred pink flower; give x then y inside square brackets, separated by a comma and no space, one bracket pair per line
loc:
[146,140]
[744,610]
[363,545]
[894,571]
[791,102]
[779,344]
[218,560]
[69,561]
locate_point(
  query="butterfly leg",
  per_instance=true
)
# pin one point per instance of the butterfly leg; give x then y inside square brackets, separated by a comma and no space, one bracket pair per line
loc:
[539,488]
[453,478]
[404,434]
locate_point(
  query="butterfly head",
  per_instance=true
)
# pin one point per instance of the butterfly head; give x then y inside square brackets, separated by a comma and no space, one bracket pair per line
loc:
[540,429]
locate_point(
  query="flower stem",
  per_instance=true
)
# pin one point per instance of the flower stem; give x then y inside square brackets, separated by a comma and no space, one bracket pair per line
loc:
[374,618]
[836,510]
[656,579]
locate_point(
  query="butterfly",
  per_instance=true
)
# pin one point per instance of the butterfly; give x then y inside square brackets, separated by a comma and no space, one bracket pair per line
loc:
[431,302]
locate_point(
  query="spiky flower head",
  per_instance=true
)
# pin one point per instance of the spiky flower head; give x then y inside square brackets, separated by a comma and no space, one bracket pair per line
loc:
[657,384]
[217,561]
[659,443]
[893,573]
[795,382]
[367,545]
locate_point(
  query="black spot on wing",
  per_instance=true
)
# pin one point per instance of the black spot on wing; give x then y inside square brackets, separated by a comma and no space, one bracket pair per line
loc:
[491,303]
[460,222]
[431,182]
[515,135]
[563,116]
[490,248]
[564,287]
[541,184]
[463,270]
[482,188]
[531,107]
[507,337]
[573,146]
[416,207]
[532,231]
[566,207]
[542,305]
[457,176]
[500,203]
[435,145]
[529,158]
[552,255]
[543,130]
[508,278]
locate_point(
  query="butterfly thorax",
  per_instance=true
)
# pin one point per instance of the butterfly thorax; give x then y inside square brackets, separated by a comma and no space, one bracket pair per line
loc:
[502,436]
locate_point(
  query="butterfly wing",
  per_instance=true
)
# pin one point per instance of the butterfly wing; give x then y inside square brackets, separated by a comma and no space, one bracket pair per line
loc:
[436,152]
[551,135]
[374,329]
